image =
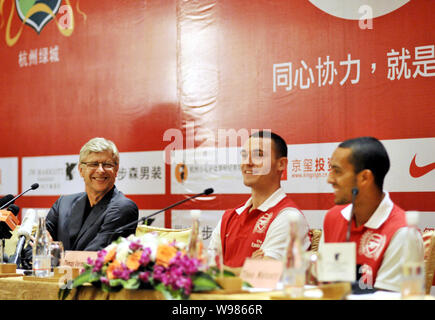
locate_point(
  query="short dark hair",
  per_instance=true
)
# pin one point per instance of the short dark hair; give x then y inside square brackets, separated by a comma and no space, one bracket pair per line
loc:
[280,144]
[368,153]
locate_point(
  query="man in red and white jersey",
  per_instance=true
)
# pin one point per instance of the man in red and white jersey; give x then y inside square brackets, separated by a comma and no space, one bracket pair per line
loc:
[260,227]
[377,225]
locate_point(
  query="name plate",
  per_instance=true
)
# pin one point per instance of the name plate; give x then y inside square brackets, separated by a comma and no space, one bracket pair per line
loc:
[76,259]
[337,262]
[262,273]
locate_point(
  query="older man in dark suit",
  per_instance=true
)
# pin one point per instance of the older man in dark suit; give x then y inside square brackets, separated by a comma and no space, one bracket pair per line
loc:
[87,220]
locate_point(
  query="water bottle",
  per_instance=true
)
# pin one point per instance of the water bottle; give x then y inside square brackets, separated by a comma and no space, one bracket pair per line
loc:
[294,262]
[413,267]
[41,251]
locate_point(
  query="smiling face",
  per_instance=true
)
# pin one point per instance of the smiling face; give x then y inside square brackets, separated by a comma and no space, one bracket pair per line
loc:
[261,168]
[342,176]
[101,178]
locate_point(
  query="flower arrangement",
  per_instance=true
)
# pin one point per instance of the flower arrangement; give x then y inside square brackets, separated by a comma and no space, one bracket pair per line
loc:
[146,262]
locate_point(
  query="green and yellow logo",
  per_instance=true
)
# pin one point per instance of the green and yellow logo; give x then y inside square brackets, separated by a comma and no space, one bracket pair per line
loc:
[37,14]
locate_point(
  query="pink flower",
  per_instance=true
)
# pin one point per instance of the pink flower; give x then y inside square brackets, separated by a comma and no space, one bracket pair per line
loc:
[101,253]
[135,246]
[98,265]
[144,276]
[145,257]
[104,280]
[122,272]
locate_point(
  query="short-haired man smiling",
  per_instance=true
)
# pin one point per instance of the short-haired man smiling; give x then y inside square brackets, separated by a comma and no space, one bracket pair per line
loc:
[260,227]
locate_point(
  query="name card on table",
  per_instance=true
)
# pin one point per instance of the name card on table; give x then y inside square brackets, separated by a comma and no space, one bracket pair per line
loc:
[76,259]
[337,262]
[262,273]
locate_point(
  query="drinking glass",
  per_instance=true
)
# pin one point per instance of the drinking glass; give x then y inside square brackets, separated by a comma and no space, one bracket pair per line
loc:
[57,253]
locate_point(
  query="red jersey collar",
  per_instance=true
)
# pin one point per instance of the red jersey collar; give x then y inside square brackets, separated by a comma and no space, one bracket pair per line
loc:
[380,215]
[270,202]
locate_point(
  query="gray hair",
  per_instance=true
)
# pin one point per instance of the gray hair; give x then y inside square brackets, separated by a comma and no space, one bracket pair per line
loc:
[99,145]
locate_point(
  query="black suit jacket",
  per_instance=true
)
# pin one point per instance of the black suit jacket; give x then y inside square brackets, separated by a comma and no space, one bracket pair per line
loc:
[65,220]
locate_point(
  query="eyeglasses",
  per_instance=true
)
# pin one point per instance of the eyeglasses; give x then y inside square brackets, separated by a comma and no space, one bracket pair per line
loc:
[95,165]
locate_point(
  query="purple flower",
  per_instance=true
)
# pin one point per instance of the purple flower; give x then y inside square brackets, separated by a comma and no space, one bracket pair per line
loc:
[135,246]
[144,276]
[145,258]
[185,283]
[101,253]
[122,272]
[99,262]
[166,279]
[98,265]
[177,275]
[104,280]
[188,265]
[158,272]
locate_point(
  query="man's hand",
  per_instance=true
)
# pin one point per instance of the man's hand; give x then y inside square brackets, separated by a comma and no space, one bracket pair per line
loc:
[258,254]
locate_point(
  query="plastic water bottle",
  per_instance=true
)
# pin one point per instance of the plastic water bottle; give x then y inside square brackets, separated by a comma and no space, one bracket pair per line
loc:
[413,268]
[195,248]
[294,262]
[41,251]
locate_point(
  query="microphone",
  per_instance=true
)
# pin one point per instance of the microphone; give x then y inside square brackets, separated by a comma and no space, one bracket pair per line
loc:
[6,199]
[354,194]
[32,187]
[8,221]
[120,229]
[14,209]
[24,233]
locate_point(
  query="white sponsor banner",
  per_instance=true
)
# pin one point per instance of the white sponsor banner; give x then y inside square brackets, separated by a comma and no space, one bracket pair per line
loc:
[209,219]
[308,167]
[56,175]
[139,173]
[314,218]
[194,170]
[9,176]
[407,173]
[426,219]
[309,164]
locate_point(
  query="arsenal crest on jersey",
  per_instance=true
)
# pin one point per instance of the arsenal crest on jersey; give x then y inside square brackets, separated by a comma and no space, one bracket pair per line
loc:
[262,223]
[37,13]
[372,244]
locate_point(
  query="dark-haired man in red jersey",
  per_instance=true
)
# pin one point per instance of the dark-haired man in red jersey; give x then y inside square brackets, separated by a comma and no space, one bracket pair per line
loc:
[378,226]
[260,227]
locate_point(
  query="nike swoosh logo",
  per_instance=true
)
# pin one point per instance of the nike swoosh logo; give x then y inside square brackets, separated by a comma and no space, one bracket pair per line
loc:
[416,172]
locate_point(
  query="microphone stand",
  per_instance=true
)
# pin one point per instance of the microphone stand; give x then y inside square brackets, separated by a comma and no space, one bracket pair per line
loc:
[2,250]
[32,187]
[354,194]
[20,245]
[120,229]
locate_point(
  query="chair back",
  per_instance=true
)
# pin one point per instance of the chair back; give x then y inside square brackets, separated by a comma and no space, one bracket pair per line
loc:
[429,256]
[315,235]
[179,235]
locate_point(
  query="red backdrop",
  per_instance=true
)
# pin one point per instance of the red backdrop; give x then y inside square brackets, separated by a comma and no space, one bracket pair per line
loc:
[130,70]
